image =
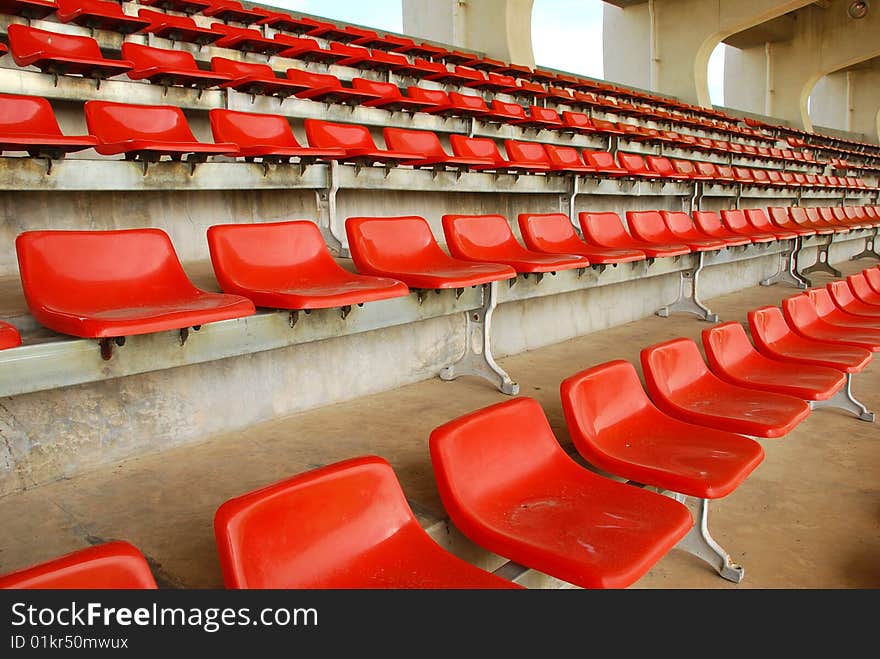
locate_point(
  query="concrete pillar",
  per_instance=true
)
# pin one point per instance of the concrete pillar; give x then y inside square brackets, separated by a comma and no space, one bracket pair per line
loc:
[626,44]
[502,29]
[681,36]
[828,102]
[746,78]
[864,111]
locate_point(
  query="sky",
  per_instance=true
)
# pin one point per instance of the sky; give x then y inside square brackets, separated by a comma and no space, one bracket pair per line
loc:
[566,34]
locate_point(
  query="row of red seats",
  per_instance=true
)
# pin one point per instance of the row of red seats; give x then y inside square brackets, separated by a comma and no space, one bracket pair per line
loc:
[703,415]
[286,265]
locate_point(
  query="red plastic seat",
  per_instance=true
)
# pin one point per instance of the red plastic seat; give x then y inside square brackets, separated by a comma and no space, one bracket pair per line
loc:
[508,486]
[458,75]
[681,227]
[662,166]
[540,118]
[603,163]
[232,10]
[800,312]
[635,165]
[812,218]
[681,385]
[327,88]
[247,40]
[781,218]
[533,154]
[265,136]
[489,239]
[27,123]
[306,49]
[735,221]
[615,427]
[99,15]
[146,132]
[9,336]
[134,284]
[286,265]
[504,112]
[486,148]
[733,358]
[759,221]
[843,296]
[404,248]
[111,565]
[862,289]
[829,311]
[343,526]
[648,226]
[872,275]
[183,6]
[578,122]
[606,230]
[709,223]
[355,141]
[553,233]
[253,78]
[427,144]
[164,66]
[566,158]
[61,54]
[388,96]
[177,28]
[689,169]
[418,68]
[30,9]
[494,83]
[774,337]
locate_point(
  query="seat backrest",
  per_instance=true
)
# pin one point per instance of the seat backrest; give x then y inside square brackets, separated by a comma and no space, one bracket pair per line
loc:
[27,115]
[758,218]
[812,216]
[248,129]
[421,142]
[743,174]
[111,565]
[685,167]
[146,57]
[327,135]
[774,176]
[672,366]
[778,215]
[549,232]
[727,347]
[387,90]
[800,311]
[798,215]
[647,225]
[306,531]
[125,267]
[531,153]
[724,171]
[596,400]
[433,96]
[490,451]
[544,114]
[823,302]
[390,244]
[119,122]
[29,43]
[706,169]
[237,69]
[841,293]
[563,156]
[760,175]
[850,212]
[767,325]
[69,9]
[599,159]
[660,165]
[468,102]
[479,236]
[632,162]
[708,222]
[838,212]
[603,229]
[476,147]
[827,214]
[158,18]
[314,80]
[678,222]
[512,110]
[577,120]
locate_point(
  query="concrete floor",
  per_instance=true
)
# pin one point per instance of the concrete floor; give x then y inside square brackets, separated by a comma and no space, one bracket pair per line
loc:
[808,517]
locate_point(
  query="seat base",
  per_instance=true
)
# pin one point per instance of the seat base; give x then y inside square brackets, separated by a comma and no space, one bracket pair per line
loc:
[787,272]
[844,400]
[687,300]
[701,544]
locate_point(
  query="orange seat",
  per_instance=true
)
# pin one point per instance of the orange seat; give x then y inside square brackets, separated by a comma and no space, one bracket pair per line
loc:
[134,284]
[343,526]
[508,486]
[606,230]
[177,28]
[489,239]
[253,78]
[681,228]
[615,427]
[681,385]
[27,123]
[486,148]
[427,144]
[265,136]
[9,336]
[99,15]
[553,233]
[404,248]
[709,223]
[162,66]
[800,312]
[774,337]
[862,289]
[61,54]
[112,565]
[733,358]
[831,312]
[843,296]
[355,141]
[286,265]
[146,132]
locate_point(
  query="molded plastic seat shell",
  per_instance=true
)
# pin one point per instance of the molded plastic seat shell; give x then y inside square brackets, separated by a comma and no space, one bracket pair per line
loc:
[32,9]
[247,40]
[389,96]
[681,385]
[733,358]
[111,565]
[355,141]
[343,526]
[681,227]
[508,485]
[709,223]
[844,297]
[489,239]
[427,144]
[736,221]
[828,309]
[253,78]
[177,28]
[134,284]
[778,217]
[286,265]
[28,123]
[164,66]
[800,312]
[615,427]
[404,248]
[62,54]
[232,10]
[99,15]
[862,289]
[486,148]
[9,336]
[606,230]
[553,233]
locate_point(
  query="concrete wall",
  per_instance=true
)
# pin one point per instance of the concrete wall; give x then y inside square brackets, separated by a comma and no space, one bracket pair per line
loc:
[626,44]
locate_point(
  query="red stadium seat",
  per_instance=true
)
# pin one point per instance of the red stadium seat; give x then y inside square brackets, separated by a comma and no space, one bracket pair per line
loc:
[286,265]
[779,217]
[681,385]
[232,10]
[709,223]
[635,165]
[134,284]
[247,40]
[540,118]
[553,233]
[164,66]
[9,336]
[177,28]
[307,50]
[862,289]
[427,144]
[681,228]
[183,6]
[27,123]
[146,132]
[578,122]
[404,248]
[99,15]
[508,485]
[760,222]
[736,222]
[606,230]
[843,296]
[663,167]
[355,141]
[649,227]
[800,312]
[489,239]
[327,88]
[495,83]
[388,96]
[603,163]
[113,565]
[828,310]
[265,136]
[61,54]
[566,159]
[253,78]
[343,526]
[30,9]
[486,148]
